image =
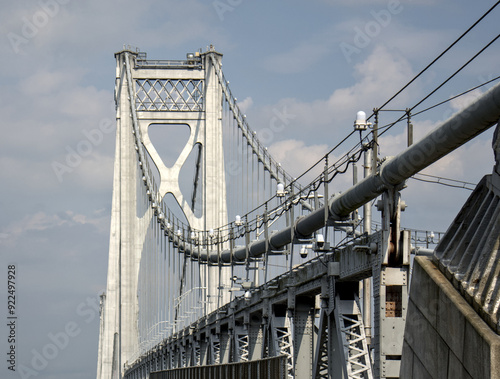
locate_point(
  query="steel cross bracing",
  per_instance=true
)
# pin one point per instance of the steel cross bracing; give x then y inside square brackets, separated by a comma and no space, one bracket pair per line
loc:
[215,349]
[169,95]
[352,336]
[241,340]
[283,340]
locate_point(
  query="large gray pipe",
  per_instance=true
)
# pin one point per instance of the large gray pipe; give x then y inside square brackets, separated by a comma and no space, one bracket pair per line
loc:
[451,134]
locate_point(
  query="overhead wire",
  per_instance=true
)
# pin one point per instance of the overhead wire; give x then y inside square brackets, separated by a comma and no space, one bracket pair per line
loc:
[439,86]
[418,75]
[389,126]
[443,181]
[439,56]
[456,96]
[457,71]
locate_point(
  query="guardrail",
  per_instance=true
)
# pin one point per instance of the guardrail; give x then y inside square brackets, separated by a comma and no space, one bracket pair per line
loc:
[268,368]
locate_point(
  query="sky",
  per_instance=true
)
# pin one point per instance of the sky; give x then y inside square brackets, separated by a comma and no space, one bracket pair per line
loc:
[317,62]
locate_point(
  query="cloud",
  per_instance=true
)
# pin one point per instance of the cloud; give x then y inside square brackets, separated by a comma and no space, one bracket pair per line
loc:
[295,156]
[246,104]
[394,142]
[298,59]
[44,82]
[139,24]
[42,222]
[56,107]
[433,206]
[464,100]
[377,78]
[28,175]
[79,33]
[95,174]
[356,37]
[348,3]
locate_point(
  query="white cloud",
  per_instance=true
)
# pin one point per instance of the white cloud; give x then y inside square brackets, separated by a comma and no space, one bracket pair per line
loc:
[394,142]
[43,221]
[464,100]
[434,206]
[468,163]
[35,222]
[140,24]
[246,104]
[43,81]
[417,45]
[377,78]
[296,157]
[95,173]
[28,174]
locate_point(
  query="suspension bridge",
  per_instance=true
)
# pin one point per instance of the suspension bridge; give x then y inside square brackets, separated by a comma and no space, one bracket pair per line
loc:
[223,265]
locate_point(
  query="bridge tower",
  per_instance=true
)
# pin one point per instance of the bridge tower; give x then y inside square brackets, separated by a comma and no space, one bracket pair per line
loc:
[178,94]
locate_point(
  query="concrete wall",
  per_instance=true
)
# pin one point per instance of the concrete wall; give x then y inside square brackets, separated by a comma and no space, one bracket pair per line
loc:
[444,336]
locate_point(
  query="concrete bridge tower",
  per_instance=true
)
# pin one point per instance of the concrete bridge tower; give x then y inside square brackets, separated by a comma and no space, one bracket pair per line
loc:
[173,93]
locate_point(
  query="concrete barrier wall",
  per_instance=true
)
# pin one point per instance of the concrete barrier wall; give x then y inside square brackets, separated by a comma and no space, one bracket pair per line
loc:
[444,336]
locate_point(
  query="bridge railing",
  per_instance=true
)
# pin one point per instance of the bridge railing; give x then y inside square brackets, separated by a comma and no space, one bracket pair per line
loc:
[268,368]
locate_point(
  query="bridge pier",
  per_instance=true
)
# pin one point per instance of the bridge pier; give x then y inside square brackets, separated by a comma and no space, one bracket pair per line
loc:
[391,272]
[453,328]
[444,336]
